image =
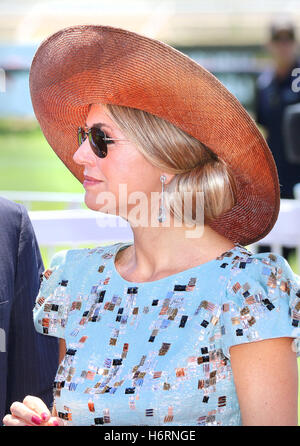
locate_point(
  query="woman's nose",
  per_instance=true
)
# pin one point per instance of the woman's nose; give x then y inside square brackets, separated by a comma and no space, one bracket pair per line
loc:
[84,154]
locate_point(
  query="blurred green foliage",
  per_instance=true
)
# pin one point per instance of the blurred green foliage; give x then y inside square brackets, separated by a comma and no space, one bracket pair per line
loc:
[27,162]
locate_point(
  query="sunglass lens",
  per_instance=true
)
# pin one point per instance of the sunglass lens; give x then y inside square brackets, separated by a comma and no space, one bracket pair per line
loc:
[98,144]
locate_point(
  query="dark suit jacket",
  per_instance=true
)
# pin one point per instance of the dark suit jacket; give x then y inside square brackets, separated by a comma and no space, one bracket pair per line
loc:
[28,360]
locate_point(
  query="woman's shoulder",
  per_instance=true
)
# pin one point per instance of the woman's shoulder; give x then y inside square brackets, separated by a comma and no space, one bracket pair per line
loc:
[69,257]
[262,300]
[262,277]
[268,268]
[68,273]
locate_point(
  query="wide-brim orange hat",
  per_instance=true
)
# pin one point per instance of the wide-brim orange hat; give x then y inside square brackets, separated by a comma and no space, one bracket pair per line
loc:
[86,64]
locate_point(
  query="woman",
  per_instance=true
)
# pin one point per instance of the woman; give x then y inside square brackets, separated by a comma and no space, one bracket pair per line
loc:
[184,326]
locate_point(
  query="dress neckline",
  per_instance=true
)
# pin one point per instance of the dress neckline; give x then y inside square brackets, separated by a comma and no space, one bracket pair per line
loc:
[121,245]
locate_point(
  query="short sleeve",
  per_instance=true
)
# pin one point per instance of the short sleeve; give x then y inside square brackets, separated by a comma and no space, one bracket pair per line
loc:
[262,302]
[52,304]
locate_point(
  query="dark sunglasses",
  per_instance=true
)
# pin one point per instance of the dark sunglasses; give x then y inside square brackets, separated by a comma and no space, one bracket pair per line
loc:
[98,140]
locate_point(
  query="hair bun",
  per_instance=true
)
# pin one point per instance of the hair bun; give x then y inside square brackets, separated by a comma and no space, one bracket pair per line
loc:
[209,185]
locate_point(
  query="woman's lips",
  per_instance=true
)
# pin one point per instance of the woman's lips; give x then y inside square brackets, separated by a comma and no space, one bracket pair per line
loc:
[90,181]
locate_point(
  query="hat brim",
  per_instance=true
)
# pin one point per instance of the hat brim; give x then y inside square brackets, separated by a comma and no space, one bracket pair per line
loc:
[86,64]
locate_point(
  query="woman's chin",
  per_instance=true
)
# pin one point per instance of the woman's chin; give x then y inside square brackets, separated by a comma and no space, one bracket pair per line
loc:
[93,206]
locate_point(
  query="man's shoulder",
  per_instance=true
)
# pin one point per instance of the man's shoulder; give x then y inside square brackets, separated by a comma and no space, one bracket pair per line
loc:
[14,220]
[12,215]
[9,207]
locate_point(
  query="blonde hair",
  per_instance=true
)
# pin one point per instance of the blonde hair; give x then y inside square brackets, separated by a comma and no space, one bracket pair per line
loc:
[196,167]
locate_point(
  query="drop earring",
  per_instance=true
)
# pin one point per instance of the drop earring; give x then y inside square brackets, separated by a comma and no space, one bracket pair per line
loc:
[162,211]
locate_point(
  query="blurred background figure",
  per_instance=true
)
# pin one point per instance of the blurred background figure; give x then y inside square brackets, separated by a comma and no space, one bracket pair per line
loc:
[28,360]
[274,93]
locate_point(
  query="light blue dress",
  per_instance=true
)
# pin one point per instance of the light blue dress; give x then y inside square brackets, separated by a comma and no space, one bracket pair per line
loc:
[158,353]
